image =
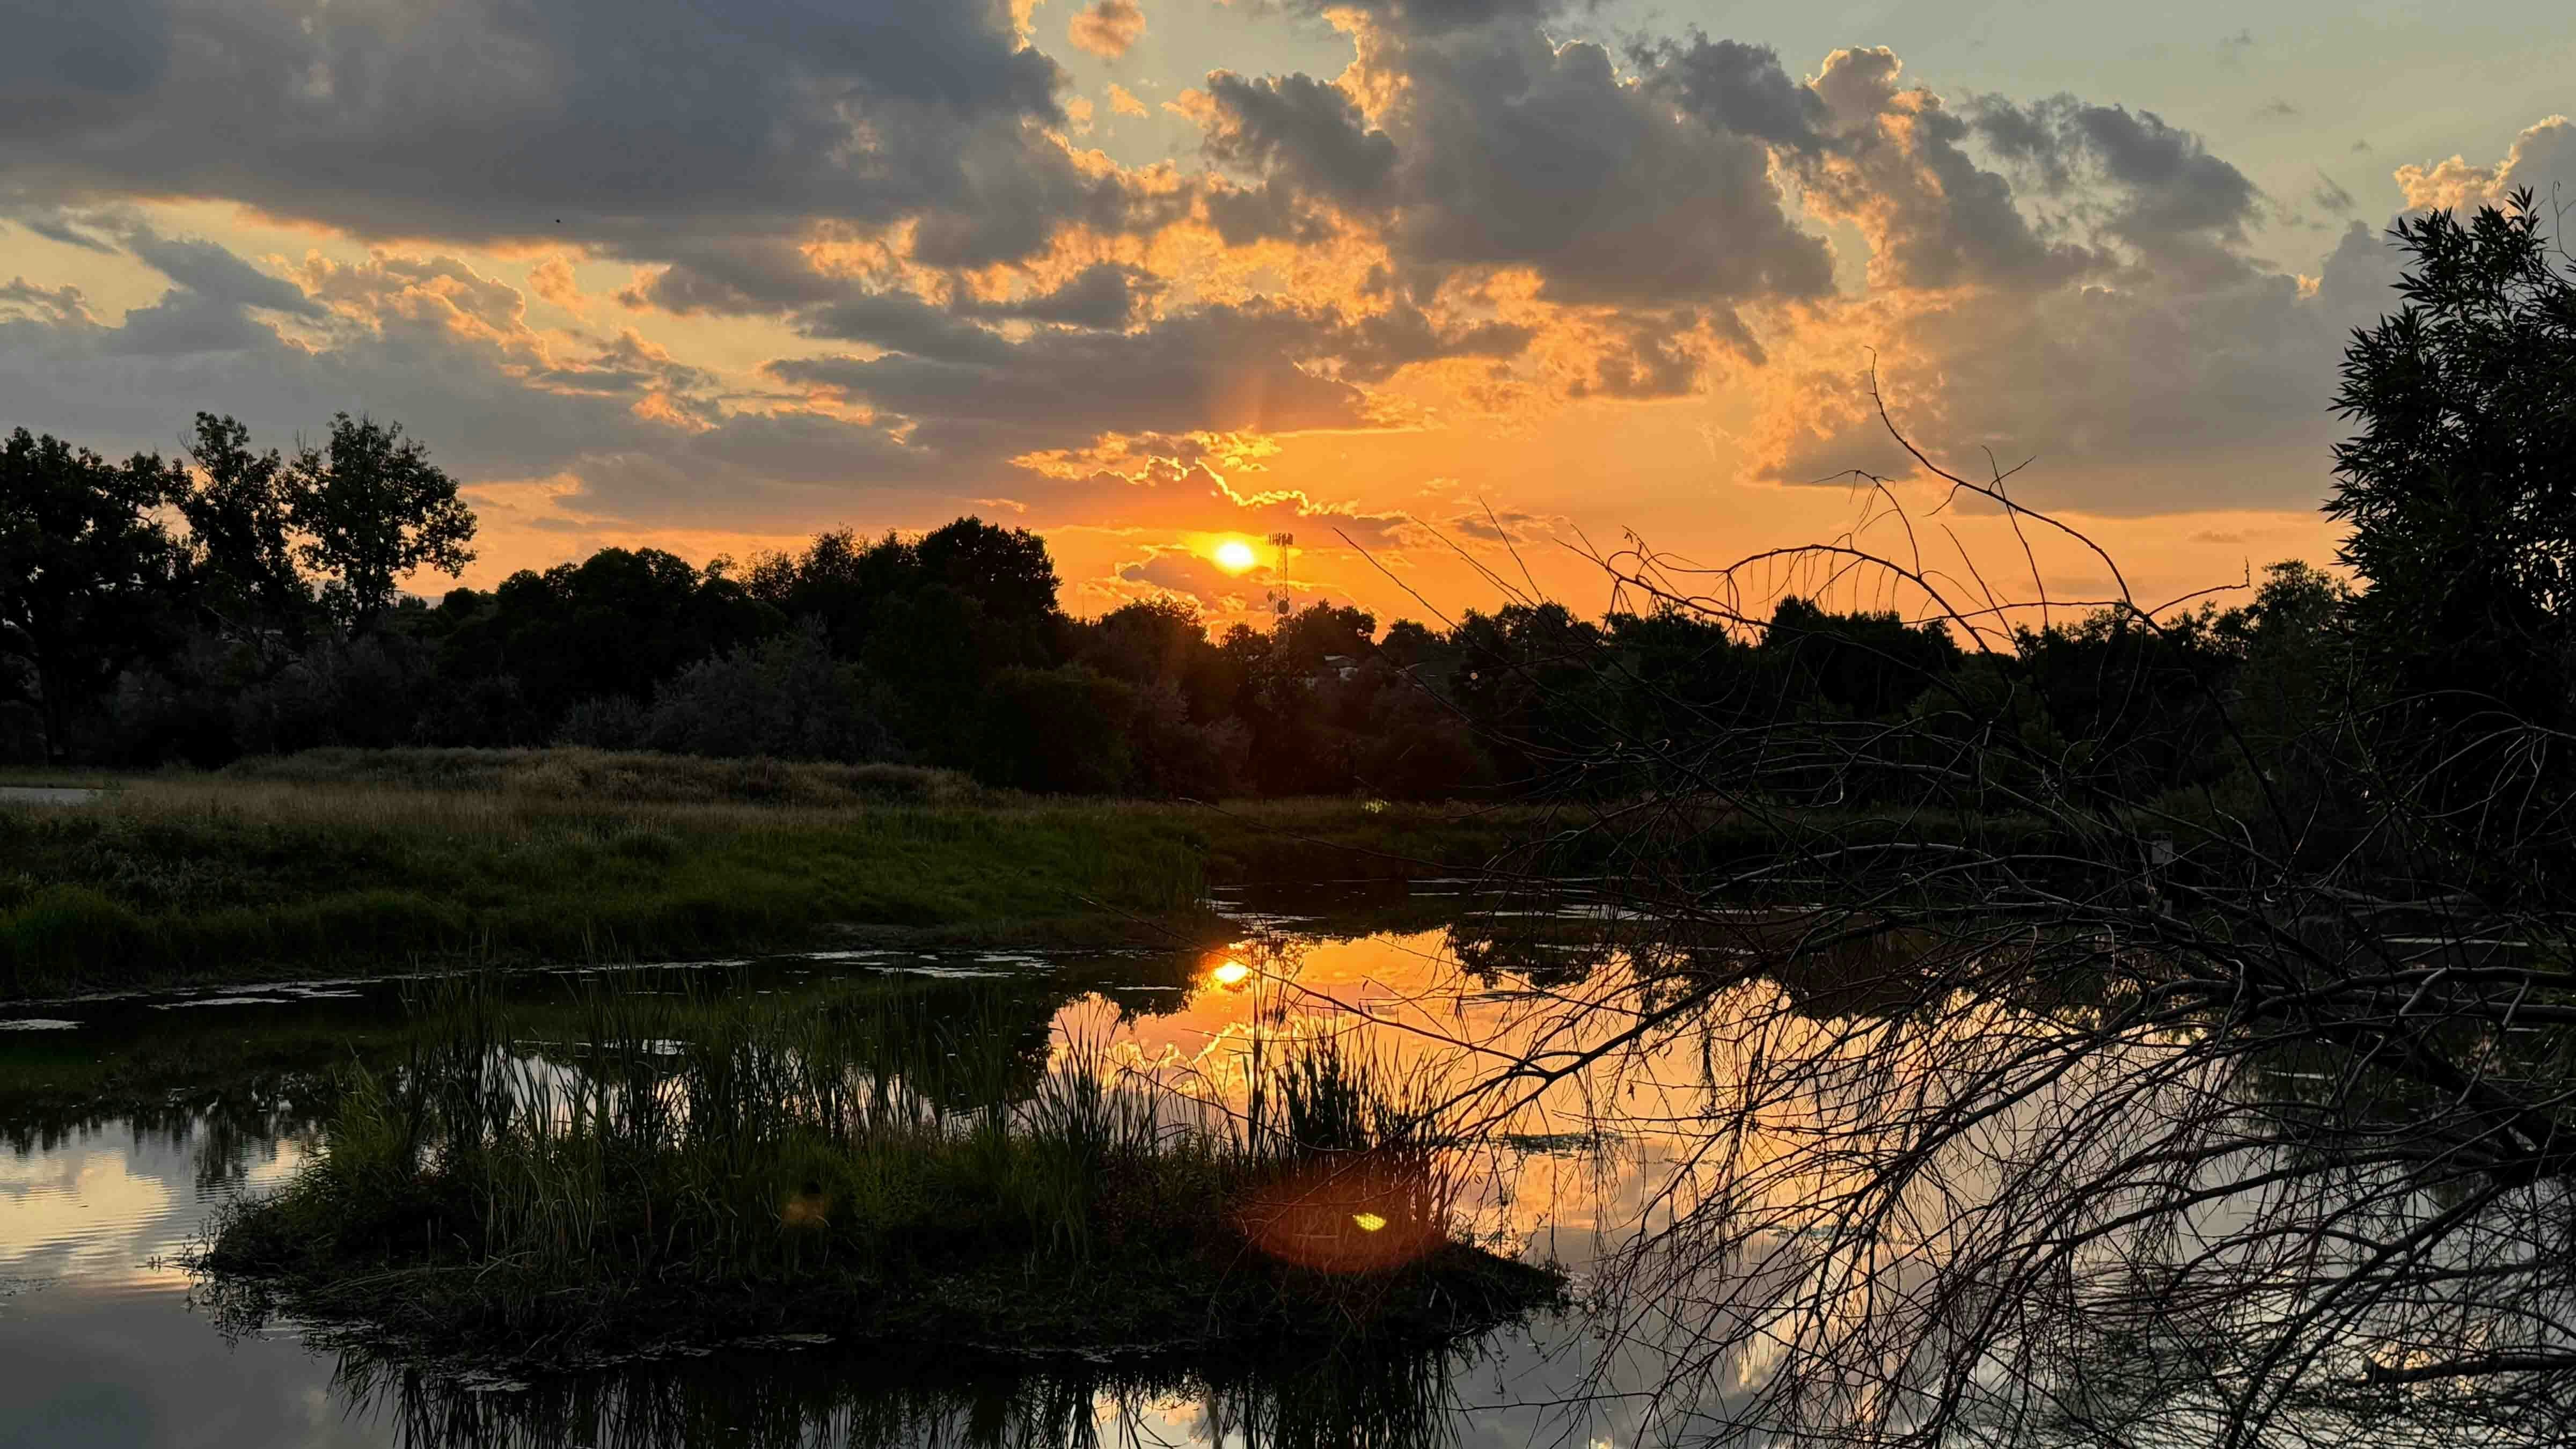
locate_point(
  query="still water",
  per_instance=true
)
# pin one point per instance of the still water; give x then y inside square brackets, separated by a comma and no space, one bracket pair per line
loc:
[127,1123]
[106,1340]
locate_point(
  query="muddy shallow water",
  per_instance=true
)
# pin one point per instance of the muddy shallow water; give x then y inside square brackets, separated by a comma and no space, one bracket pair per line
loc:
[106,1340]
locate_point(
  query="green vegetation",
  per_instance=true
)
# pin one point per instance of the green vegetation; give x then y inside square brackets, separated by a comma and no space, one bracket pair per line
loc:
[368,861]
[875,1163]
[208,878]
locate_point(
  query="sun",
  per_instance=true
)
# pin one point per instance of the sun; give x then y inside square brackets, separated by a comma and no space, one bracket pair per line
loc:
[1234,556]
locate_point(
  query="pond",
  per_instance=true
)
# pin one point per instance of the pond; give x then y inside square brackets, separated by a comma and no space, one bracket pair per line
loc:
[1600,1127]
[106,1339]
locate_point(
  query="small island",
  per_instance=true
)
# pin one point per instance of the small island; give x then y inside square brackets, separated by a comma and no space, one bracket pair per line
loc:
[683,1176]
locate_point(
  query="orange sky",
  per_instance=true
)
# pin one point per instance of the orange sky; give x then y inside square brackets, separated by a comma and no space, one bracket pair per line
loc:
[1458,292]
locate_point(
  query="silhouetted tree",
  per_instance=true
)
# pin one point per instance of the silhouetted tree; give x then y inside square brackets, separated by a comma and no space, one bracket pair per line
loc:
[240,511]
[373,508]
[2460,493]
[88,576]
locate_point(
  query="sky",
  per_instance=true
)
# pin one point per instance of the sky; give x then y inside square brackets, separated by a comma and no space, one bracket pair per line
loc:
[1466,296]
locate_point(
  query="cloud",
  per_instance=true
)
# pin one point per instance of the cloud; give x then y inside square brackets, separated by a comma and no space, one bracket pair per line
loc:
[904,323]
[1431,17]
[1494,147]
[2176,371]
[870,272]
[553,280]
[1220,367]
[633,432]
[51,305]
[1892,161]
[1102,295]
[2542,156]
[210,271]
[1106,28]
[1310,130]
[632,124]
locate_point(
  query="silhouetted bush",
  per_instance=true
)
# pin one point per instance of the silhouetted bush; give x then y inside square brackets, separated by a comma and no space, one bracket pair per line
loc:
[787,698]
[1057,731]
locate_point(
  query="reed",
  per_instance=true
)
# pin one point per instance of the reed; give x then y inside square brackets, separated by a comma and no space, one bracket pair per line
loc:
[670,1167]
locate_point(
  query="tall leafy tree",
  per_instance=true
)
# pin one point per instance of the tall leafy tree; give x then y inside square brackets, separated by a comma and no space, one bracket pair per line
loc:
[372,508]
[240,511]
[1004,569]
[2460,493]
[2460,486]
[88,574]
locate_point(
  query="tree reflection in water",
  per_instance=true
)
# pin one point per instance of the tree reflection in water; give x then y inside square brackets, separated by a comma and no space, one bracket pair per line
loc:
[874,1400]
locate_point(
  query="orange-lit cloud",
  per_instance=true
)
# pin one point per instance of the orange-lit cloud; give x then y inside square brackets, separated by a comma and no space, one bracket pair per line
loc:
[1106,28]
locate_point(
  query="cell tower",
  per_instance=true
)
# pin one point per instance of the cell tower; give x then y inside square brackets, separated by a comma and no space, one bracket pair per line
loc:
[1281,604]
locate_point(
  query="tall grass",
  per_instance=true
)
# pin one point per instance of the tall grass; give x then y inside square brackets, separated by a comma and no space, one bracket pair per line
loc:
[751,1160]
[207,877]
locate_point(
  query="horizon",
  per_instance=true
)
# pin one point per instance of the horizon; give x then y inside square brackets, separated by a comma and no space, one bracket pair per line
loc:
[1150,277]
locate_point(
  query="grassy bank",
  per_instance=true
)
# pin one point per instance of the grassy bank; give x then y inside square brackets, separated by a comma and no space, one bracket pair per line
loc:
[361,861]
[670,1172]
[349,861]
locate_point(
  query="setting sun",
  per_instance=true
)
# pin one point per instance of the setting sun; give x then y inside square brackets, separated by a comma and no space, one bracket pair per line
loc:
[1234,556]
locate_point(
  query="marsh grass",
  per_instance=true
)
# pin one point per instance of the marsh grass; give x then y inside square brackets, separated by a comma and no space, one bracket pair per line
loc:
[885,1164]
[389,860]
[208,877]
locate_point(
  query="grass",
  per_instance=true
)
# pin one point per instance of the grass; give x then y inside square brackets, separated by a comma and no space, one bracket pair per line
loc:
[365,861]
[204,879]
[684,1172]
[350,861]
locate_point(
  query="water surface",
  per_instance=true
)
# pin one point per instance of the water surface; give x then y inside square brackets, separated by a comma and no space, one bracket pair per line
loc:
[107,1341]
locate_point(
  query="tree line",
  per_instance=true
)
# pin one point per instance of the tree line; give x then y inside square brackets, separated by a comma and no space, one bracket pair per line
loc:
[244,602]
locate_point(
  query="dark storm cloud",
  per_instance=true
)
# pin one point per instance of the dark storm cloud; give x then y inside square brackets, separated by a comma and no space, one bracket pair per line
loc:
[632,123]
